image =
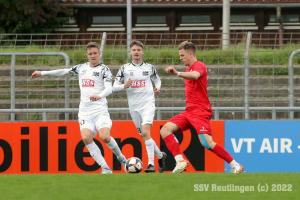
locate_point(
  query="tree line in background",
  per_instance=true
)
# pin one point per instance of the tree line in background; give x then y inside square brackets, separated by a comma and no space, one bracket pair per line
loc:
[32,16]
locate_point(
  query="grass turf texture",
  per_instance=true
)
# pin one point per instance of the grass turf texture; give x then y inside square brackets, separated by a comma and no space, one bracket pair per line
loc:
[143,186]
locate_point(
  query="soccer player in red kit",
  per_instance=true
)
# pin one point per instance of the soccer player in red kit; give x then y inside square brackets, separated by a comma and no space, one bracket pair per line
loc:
[197,113]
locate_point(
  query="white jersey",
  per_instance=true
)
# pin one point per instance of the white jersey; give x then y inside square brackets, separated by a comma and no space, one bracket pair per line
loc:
[92,82]
[140,95]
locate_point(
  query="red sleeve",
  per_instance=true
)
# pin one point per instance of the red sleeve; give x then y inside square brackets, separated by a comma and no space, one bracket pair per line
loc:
[199,67]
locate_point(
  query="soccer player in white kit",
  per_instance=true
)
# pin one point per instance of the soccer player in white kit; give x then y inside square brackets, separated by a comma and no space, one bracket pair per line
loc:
[137,77]
[95,81]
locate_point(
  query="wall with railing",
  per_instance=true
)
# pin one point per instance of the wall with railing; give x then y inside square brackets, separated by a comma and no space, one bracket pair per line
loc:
[267,63]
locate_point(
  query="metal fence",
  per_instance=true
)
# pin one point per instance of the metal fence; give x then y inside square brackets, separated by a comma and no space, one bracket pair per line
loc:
[268,74]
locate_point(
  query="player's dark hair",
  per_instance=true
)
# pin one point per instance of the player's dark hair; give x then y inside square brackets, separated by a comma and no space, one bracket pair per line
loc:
[92,45]
[137,43]
[188,46]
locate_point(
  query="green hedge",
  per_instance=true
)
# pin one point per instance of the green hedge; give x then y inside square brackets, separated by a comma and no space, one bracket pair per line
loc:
[157,56]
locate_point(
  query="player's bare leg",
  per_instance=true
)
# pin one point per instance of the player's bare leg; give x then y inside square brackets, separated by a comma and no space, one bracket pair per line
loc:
[95,152]
[172,144]
[207,141]
[104,134]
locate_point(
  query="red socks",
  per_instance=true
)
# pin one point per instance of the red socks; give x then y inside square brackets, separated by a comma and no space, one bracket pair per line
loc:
[222,153]
[172,144]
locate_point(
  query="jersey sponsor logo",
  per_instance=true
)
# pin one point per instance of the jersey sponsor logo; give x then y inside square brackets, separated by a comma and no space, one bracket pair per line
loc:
[145,73]
[138,84]
[191,70]
[88,83]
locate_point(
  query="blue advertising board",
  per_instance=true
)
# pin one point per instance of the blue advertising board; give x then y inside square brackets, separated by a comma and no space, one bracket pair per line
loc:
[264,146]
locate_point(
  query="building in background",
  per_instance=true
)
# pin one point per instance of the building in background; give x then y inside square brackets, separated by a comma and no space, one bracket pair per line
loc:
[181,16]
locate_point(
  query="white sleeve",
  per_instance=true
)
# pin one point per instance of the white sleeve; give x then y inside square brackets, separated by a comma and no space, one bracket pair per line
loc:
[58,72]
[155,78]
[107,78]
[107,91]
[118,86]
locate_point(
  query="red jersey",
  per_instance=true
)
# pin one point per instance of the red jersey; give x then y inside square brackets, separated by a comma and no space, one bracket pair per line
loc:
[196,91]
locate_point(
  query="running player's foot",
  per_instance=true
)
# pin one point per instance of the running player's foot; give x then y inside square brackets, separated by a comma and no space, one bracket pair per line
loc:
[123,160]
[162,163]
[106,170]
[150,169]
[237,169]
[180,166]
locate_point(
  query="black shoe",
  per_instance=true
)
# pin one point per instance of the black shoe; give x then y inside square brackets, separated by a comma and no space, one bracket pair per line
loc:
[150,169]
[162,163]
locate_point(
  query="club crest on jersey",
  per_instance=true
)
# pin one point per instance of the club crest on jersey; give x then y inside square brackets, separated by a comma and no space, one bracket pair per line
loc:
[138,84]
[145,73]
[83,72]
[88,83]
[96,73]
[131,74]
[203,129]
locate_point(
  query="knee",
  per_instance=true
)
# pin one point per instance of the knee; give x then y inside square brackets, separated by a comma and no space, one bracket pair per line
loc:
[105,138]
[145,134]
[164,131]
[86,139]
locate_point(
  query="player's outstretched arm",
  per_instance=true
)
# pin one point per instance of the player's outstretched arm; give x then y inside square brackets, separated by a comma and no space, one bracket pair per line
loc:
[36,74]
[58,72]
[171,70]
[186,75]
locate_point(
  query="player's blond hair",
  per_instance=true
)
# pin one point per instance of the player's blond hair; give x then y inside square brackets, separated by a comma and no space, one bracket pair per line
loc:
[137,43]
[188,46]
[91,45]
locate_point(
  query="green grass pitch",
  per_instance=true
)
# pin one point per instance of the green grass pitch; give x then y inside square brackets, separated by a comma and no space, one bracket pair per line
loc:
[149,186]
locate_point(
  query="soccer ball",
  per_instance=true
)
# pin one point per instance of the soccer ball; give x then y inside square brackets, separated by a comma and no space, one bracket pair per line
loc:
[133,165]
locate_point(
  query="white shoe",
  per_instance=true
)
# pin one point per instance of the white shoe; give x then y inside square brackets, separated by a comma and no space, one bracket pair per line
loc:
[123,162]
[180,166]
[237,169]
[106,171]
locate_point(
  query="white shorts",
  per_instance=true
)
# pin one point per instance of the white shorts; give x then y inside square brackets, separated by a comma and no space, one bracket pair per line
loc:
[142,117]
[94,120]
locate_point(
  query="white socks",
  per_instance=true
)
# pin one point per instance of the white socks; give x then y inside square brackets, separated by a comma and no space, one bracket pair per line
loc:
[179,158]
[152,148]
[150,151]
[233,163]
[96,154]
[157,151]
[115,148]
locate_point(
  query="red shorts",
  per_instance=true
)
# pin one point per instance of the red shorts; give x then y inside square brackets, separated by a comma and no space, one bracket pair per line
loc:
[187,120]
